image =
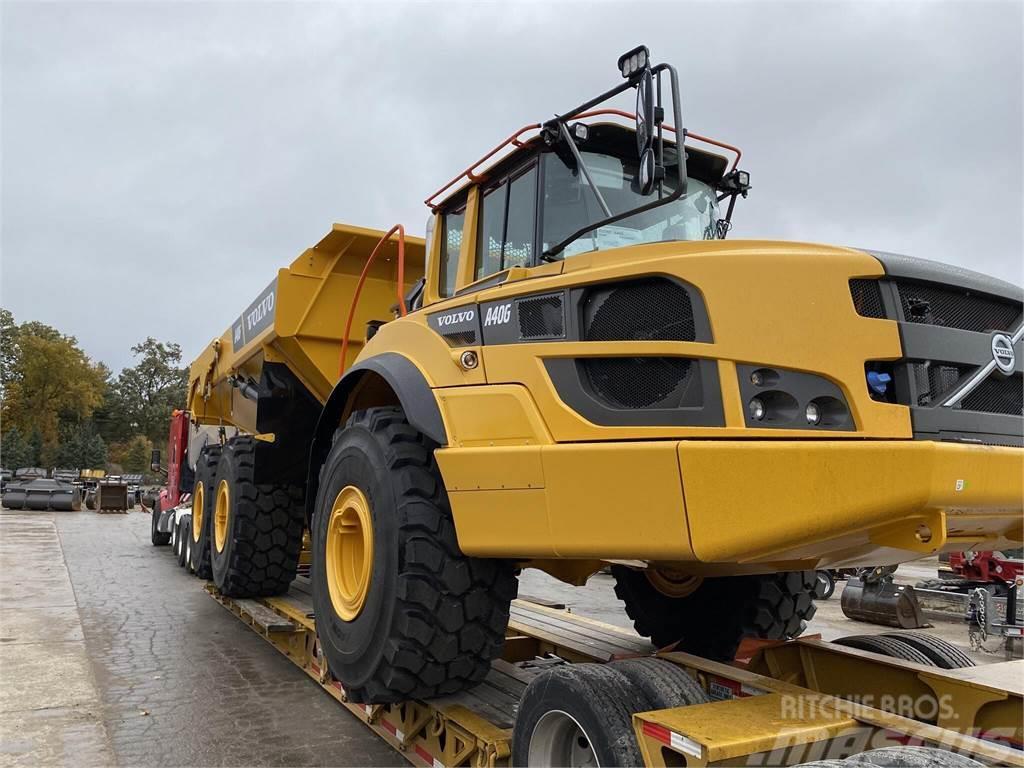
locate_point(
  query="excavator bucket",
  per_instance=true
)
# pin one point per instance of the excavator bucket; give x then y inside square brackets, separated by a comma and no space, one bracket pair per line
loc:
[882,602]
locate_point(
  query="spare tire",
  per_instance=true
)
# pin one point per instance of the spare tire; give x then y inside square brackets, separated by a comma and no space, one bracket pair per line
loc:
[578,714]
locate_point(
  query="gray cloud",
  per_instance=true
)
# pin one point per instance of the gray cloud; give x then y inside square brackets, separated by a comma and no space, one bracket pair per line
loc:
[177,154]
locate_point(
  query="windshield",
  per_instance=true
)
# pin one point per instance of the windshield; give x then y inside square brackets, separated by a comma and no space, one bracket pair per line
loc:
[570,204]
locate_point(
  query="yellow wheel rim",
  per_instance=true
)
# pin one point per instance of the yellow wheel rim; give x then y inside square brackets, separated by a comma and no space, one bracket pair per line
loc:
[198,505]
[673,583]
[220,515]
[349,555]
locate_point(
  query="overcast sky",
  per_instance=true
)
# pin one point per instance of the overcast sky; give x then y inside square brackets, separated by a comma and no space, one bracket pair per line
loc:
[161,161]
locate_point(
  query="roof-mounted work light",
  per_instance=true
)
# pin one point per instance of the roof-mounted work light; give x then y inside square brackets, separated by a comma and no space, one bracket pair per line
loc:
[634,61]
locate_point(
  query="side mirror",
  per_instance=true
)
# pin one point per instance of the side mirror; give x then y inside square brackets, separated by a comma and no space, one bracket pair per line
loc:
[644,112]
[154,460]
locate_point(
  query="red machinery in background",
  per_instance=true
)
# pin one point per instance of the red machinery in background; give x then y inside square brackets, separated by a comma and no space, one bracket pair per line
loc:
[975,569]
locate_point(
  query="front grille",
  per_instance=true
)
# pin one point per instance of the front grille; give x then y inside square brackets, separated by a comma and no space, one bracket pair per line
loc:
[997,394]
[952,307]
[867,298]
[651,309]
[541,317]
[639,382]
[932,380]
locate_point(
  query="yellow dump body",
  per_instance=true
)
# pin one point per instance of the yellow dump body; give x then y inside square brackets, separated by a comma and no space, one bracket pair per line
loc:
[299,320]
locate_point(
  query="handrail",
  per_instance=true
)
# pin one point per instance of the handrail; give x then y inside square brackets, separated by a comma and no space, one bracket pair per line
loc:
[514,139]
[362,279]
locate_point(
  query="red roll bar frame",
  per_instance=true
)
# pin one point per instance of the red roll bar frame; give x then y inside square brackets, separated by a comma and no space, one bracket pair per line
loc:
[516,141]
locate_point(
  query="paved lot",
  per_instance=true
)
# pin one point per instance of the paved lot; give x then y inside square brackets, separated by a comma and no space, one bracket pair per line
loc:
[121,657]
[111,654]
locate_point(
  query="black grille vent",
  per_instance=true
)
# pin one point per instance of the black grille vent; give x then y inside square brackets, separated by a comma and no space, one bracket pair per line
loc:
[460,338]
[639,382]
[997,394]
[952,307]
[652,309]
[867,298]
[933,380]
[541,317]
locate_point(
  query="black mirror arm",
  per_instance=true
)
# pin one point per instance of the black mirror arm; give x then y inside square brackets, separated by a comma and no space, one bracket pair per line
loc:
[583,167]
[678,192]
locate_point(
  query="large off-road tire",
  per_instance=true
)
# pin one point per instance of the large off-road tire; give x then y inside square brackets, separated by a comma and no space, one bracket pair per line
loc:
[400,612]
[203,493]
[257,528]
[158,538]
[719,613]
[578,714]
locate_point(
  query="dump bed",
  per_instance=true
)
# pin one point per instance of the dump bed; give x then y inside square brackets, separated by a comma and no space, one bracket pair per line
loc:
[299,320]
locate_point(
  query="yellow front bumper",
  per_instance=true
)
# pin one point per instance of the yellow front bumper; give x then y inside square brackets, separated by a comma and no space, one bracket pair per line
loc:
[735,506]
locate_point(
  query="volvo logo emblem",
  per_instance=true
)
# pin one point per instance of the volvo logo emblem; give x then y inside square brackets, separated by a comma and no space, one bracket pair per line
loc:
[1002,352]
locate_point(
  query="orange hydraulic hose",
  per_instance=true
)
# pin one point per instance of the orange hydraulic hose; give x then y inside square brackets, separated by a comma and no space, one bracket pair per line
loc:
[362,279]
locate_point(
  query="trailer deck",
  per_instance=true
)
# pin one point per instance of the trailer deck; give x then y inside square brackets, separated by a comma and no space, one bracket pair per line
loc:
[791,702]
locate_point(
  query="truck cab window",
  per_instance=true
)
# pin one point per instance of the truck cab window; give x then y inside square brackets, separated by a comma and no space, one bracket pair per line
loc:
[451,244]
[508,224]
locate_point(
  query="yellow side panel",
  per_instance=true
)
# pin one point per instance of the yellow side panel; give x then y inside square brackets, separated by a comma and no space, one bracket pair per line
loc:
[843,495]
[588,510]
[502,523]
[476,469]
[616,501]
[491,415]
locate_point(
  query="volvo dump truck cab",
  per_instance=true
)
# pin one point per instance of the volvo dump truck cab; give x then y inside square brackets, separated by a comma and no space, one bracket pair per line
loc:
[577,368]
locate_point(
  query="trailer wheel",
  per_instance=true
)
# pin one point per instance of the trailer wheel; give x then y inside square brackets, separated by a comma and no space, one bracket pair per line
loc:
[826,585]
[912,757]
[187,547]
[665,685]
[183,534]
[202,510]
[257,529]
[943,653]
[401,613]
[886,646]
[156,536]
[713,619]
[579,715]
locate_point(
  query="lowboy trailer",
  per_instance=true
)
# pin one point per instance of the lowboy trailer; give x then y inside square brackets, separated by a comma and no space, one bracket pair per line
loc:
[786,703]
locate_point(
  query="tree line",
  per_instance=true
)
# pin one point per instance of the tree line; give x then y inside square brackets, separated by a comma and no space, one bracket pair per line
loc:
[61,409]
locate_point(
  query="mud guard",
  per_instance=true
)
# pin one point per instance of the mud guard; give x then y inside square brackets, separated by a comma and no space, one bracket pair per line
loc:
[410,387]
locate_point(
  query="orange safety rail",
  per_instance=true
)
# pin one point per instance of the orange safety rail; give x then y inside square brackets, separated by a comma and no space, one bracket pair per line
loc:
[362,279]
[516,141]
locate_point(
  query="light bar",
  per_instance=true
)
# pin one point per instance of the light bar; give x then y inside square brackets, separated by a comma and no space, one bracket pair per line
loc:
[633,61]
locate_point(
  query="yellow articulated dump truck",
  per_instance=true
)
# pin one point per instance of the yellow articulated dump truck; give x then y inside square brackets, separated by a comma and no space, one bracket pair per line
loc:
[576,368]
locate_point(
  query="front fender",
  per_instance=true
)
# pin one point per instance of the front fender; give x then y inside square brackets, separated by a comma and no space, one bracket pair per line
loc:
[411,390]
